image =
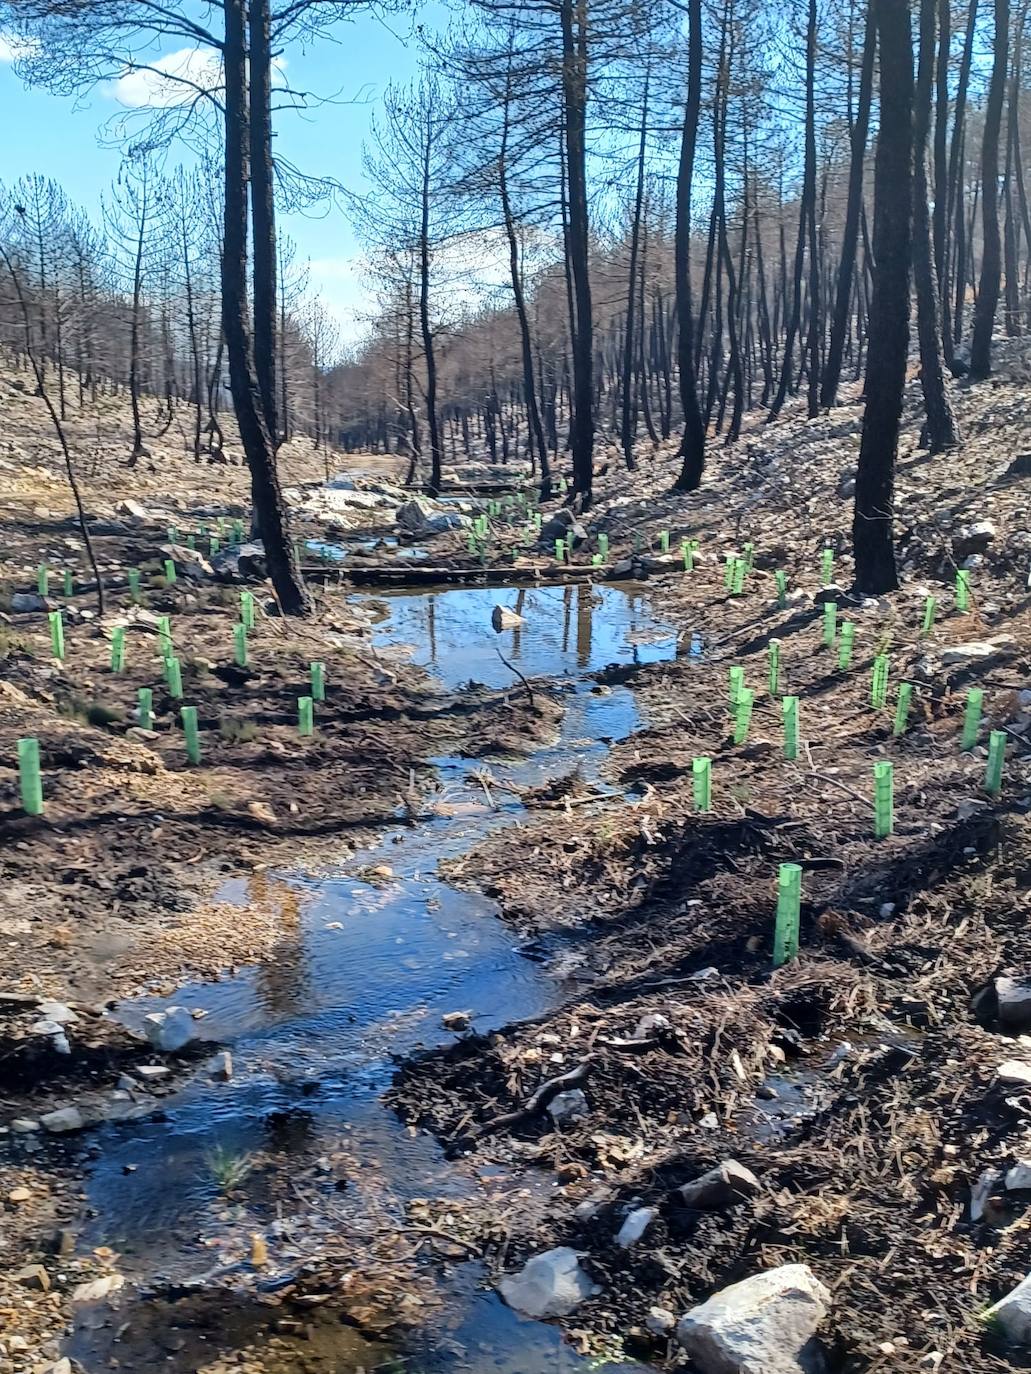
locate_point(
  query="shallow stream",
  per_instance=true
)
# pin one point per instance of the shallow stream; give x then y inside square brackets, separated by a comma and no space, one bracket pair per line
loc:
[298,1146]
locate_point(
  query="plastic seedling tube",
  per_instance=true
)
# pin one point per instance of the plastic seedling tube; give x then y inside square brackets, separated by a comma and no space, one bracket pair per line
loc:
[827,566]
[471,542]
[305,722]
[191,541]
[214,544]
[43,580]
[57,634]
[134,584]
[189,719]
[173,535]
[237,531]
[603,545]
[145,707]
[737,682]
[789,910]
[773,655]
[883,799]
[743,715]
[165,636]
[596,560]
[749,556]
[781,579]
[297,552]
[240,645]
[879,683]
[701,777]
[830,623]
[789,706]
[174,677]
[69,589]
[996,758]
[318,682]
[29,777]
[930,606]
[905,701]
[170,571]
[962,590]
[560,550]
[664,542]
[972,717]
[728,571]
[687,549]
[738,581]
[846,644]
[637,541]
[118,648]
[247,609]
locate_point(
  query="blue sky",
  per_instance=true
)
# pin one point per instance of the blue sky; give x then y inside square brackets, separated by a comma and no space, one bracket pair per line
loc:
[64,139]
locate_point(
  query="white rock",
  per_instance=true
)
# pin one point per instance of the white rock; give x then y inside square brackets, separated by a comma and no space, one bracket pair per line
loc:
[1014,1071]
[170,1030]
[976,650]
[1012,1314]
[150,1073]
[504,619]
[64,1119]
[728,1183]
[63,1366]
[98,1288]
[758,1326]
[23,1125]
[220,1067]
[57,1011]
[660,1321]
[635,1225]
[652,1022]
[568,1106]
[548,1285]
[1018,1176]
[1014,996]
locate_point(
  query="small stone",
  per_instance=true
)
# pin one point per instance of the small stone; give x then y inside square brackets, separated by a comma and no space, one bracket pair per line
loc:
[151,1073]
[976,651]
[455,1020]
[98,1288]
[1014,998]
[63,1366]
[63,1120]
[551,1284]
[1018,1176]
[220,1067]
[1014,1071]
[1012,1314]
[635,1225]
[660,1321]
[504,619]
[22,1125]
[988,1184]
[727,1184]
[33,1276]
[27,601]
[19,1195]
[569,1106]
[59,1012]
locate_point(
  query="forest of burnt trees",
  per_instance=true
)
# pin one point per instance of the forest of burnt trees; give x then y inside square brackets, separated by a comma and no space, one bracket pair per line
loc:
[591,226]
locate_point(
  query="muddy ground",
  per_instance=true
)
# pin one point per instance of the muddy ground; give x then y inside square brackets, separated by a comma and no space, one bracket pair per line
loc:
[858,1082]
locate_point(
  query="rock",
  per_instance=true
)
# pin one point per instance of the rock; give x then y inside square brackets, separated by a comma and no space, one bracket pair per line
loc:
[973,539]
[98,1288]
[63,1366]
[660,1321]
[761,1325]
[151,1073]
[624,568]
[188,562]
[653,1023]
[504,619]
[414,515]
[27,601]
[728,1183]
[846,486]
[140,735]
[635,1225]
[455,1020]
[63,1120]
[832,592]
[1015,1071]
[134,510]
[220,1067]
[1012,1314]
[170,1030]
[22,1125]
[241,562]
[568,1106]
[1020,467]
[1018,1176]
[19,1195]
[989,1183]
[976,651]
[57,1011]
[1014,998]
[33,1276]
[556,526]
[548,1285]
[422,518]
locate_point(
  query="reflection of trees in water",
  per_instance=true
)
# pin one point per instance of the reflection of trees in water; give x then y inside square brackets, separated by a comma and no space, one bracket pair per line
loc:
[283,977]
[517,633]
[584,624]
[431,626]
[567,608]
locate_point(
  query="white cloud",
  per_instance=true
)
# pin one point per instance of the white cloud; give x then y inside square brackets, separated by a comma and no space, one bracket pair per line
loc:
[173,79]
[12,47]
[169,80]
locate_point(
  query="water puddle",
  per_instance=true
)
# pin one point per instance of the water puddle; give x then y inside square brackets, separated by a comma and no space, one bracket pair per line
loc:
[368,956]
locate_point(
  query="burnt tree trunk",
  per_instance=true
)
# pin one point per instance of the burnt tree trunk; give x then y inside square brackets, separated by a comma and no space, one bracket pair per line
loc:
[692,445]
[991,252]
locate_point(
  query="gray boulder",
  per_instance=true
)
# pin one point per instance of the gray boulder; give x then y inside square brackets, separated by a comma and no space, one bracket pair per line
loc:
[548,1285]
[170,1030]
[727,1184]
[765,1324]
[1012,1314]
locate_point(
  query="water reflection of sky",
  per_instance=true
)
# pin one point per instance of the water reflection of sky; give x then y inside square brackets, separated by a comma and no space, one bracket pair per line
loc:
[575,628]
